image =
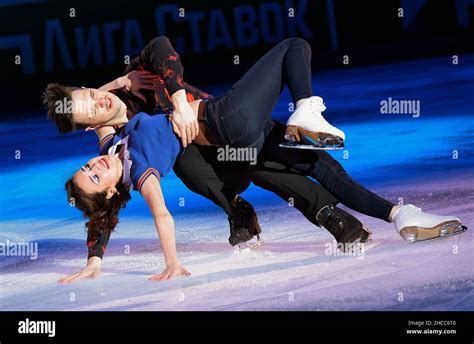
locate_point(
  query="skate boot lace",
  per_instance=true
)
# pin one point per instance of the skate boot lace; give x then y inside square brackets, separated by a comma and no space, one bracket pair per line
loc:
[312,103]
[418,210]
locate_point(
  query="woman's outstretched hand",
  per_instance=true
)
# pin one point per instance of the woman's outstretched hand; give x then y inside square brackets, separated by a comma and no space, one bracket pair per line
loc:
[92,270]
[170,272]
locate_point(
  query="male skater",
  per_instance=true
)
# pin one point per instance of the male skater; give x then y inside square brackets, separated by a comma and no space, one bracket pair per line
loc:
[199,169]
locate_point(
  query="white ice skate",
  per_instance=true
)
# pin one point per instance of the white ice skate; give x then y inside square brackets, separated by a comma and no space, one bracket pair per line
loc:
[307,129]
[415,225]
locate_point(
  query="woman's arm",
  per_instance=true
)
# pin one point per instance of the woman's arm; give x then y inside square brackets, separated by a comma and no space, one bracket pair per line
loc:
[151,191]
[96,245]
[92,270]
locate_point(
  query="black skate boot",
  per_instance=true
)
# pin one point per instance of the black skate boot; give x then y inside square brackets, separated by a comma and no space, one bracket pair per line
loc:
[342,225]
[244,225]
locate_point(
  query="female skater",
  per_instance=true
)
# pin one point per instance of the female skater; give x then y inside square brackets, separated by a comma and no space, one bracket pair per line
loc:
[144,150]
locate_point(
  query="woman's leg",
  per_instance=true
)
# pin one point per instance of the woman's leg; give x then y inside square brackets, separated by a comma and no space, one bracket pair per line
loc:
[288,63]
[242,116]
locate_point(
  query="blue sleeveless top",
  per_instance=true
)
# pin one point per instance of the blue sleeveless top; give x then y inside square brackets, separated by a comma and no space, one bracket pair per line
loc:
[153,147]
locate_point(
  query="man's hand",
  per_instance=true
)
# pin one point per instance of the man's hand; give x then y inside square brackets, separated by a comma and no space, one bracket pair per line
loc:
[139,79]
[92,270]
[171,271]
[185,123]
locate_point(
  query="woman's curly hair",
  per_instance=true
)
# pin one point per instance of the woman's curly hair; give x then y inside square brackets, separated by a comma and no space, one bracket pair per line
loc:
[101,212]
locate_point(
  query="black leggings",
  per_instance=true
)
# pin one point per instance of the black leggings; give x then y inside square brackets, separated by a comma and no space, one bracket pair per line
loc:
[242,118]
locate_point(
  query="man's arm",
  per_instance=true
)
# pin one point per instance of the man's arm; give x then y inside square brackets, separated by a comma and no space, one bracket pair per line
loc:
[113,85]
[160,57]
[134,81]
[184,119]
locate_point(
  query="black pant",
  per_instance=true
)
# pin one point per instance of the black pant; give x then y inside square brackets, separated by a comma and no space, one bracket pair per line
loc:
[321,166]
[242,116]
[198,166]
[199,169]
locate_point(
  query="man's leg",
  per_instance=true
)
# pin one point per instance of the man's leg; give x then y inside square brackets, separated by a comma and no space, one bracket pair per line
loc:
[328,172]
[303,193]
[199,175]
[409,221]
[220,182]
[312,200]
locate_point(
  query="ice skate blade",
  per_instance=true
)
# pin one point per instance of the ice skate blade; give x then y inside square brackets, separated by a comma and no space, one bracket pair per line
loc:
[331,141]
[366,237]
[248,246]
[238,249]
[443,230]
[300,138]
[368,245]
[256,244]
[310,147]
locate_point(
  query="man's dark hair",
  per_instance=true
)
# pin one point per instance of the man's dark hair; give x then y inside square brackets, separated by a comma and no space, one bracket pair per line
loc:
[55,99]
